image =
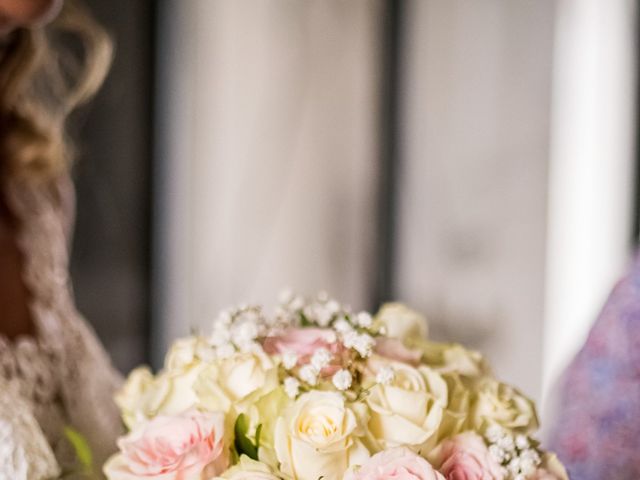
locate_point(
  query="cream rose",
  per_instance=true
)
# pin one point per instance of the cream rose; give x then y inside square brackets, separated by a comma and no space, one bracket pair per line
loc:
[407,410]
[395,349]
[188,352]
[144,396]
[456,414]
[248,469]
[450,357]
[236,382]
[189,446]
[129,397]
[400,322]
[501,404]
[318,436]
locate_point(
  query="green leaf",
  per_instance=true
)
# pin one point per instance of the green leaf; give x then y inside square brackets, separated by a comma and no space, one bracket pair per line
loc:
[242,425]
[243,443]
[234,456]
[80,447]
[258,432]
[304,321]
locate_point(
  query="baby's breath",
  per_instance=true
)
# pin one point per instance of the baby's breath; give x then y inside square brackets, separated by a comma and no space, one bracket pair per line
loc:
[515,454]
[342,379]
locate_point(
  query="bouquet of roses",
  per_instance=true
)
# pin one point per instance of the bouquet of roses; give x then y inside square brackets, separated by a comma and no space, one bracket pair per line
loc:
[315,391]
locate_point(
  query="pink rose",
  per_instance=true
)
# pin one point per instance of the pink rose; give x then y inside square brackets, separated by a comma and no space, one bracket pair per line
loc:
[466,457]
[394,349]
[188,446]
[398,464]
[303,342]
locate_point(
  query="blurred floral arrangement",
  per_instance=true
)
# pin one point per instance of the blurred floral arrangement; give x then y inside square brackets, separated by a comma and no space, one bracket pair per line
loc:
[316,391]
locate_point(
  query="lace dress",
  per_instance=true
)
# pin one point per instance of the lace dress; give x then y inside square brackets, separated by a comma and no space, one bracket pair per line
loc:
[62,377]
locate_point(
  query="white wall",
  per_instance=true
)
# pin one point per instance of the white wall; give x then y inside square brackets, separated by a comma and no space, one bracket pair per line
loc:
[515,173]
[590,181]
[474,183]
[269,115]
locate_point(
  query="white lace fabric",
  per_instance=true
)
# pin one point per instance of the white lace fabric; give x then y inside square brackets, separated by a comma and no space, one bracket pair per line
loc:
[63,376]
[24,451]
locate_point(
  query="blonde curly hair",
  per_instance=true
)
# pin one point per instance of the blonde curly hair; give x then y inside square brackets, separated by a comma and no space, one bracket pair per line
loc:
[41,82]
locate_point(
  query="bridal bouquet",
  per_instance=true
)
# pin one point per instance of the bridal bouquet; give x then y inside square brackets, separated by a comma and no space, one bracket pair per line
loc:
[318,392]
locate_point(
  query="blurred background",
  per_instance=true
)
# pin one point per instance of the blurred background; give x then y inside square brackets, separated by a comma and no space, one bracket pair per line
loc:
[474,158]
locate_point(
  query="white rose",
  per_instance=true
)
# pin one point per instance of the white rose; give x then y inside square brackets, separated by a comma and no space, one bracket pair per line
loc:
[128,398]
[498,403]
[187,352]
[456,414]
[248,469]
[401,322]
[408,410]
[318,437]
[451,357]
[144,396]
[236,382]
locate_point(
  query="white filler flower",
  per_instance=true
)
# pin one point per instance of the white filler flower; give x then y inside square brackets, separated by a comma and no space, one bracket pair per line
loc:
[289,360]
[364,320]
[291,387]
[309,375]
[362,343]
[342,379]
[385,375]
[321,358]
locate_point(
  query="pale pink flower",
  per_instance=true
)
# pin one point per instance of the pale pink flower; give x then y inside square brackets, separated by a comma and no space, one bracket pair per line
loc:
[394,349]
[398,464]
[466,457]
[188,446]
[551,469]
[304,342]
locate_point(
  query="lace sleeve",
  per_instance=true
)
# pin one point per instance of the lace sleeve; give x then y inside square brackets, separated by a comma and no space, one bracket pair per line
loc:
[90,381]
[24,451]
[88,391]
[84,375]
